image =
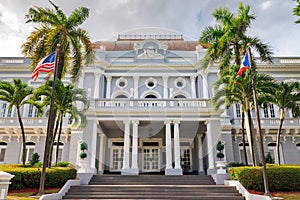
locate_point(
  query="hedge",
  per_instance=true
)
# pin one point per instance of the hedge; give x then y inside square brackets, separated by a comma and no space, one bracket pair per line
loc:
[280,178]
[29,177]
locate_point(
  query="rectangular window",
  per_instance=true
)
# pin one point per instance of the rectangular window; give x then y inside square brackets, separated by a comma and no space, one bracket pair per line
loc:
[298,149]
[2,153]
[272,112]
[30,111]
[266,113]
[3,109]
[238,110]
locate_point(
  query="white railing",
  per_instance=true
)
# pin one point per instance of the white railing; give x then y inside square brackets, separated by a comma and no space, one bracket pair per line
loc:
[155,103]
[271,122]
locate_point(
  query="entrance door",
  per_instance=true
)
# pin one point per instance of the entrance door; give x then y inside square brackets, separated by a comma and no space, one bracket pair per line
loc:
[151,159]
[116,162]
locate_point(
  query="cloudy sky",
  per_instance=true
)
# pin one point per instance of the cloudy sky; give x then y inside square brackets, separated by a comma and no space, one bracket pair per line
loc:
[274,22]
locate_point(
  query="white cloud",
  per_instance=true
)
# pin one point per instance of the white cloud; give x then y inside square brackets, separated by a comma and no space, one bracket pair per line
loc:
[265,5]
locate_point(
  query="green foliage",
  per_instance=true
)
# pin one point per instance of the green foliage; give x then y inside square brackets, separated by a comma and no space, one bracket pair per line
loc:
[35,159]
[63,164]
[83,155]
[296,11]
[236,164]
[220,147]
[83,146]
[269,159]
[30,177]
[280,178]
[38,164]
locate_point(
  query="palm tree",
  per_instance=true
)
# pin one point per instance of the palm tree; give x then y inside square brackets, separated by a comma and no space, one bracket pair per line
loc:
[227,41]
[67,100]
[286,96]
[15,95]
[296,11]
[54,27]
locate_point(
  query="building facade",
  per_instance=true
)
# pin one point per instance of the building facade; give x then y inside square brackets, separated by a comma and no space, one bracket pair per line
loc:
[150,111]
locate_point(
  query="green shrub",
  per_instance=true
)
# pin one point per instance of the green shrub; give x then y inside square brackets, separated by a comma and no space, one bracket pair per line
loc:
[269,159]
[35,159]
[280,178]
[30,177]
[38,164]
[236,164]
[63,164]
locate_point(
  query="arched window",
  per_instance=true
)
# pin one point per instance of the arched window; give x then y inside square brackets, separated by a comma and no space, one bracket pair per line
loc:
[298,150]
[60,151]
[180,96]
[121,96]
[242,155]
[3,146]
[272,150]
[30,146]
[150,96]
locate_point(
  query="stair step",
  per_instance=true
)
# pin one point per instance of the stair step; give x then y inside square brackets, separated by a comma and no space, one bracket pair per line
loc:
[145,187]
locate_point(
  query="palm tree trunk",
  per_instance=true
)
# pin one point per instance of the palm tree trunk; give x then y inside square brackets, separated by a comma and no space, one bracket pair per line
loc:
[278,135]
[249,132]
[243,136]
[23,137]
[58,139]
[52,143]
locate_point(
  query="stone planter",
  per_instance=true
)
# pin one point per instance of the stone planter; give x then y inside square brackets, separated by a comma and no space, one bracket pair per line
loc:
[221,167]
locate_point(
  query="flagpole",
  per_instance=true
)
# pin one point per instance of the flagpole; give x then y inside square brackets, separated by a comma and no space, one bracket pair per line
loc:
[50,126]
[258,128]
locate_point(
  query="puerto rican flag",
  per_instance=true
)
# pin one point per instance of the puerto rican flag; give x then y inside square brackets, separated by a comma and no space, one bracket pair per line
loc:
[246,64]
[45,65]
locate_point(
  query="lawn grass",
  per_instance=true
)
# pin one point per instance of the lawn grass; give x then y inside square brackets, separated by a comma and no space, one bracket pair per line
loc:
[28,194]
[288,195]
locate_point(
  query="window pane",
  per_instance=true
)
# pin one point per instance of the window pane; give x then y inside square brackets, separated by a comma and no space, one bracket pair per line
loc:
[2,154]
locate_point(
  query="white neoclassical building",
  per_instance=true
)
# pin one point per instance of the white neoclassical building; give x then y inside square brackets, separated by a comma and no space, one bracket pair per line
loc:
[150,110]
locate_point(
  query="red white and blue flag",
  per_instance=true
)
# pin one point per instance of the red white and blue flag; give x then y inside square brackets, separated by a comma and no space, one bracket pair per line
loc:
[45,65]
[246,64]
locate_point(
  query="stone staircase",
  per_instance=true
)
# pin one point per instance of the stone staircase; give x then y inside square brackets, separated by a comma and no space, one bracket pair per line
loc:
[199,187]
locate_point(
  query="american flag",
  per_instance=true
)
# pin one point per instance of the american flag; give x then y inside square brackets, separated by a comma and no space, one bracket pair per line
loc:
[45,65]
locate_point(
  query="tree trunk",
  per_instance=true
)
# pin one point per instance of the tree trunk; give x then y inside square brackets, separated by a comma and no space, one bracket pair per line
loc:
[278,135]
[243,136]
[52,142]
[249,132]
[58,139]
[23,137]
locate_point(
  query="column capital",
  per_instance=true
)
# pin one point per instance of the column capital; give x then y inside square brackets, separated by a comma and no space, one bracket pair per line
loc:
[176,121]
[136,78]
[165,77]
[135,122]
[97,74]
[108,76]
[193,77]
[168,121]
[126,121]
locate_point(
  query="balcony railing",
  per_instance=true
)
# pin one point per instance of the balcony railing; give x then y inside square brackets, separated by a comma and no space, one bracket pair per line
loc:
[271,122]
[153,103]
[42,121]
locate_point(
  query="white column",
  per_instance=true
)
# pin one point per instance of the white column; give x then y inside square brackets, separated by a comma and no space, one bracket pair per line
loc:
[205,85]
[81,80]
[96,87]
[177,145]
[136,86]
[134,164]
[165,80]
[108,86]
[101,154]
[93,147]
[213,134]
[200,155]
[168,146]
[193,86]
[126,147]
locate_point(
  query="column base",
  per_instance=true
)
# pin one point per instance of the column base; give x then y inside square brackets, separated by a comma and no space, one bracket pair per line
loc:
[211,171]
[129,171]
[172,172]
